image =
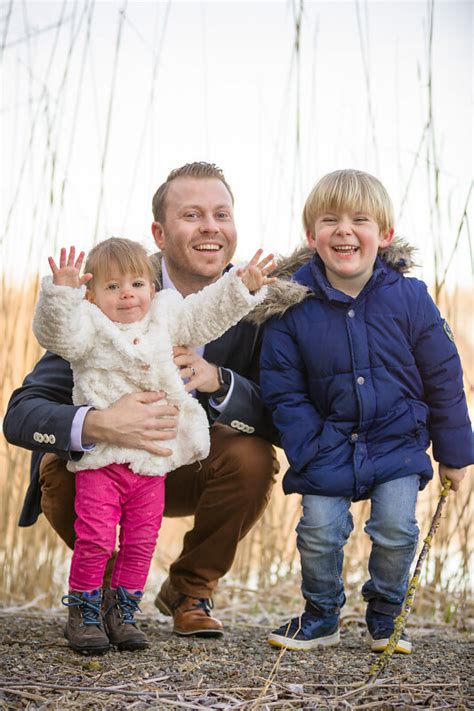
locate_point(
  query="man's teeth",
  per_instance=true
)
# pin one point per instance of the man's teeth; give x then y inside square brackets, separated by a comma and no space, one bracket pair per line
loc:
[345,249]
[213,247]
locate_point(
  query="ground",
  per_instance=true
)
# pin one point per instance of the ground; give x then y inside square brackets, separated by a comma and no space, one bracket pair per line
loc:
[39,671]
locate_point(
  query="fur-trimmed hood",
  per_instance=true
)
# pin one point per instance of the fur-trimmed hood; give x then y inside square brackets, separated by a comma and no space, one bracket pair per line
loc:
[284,293]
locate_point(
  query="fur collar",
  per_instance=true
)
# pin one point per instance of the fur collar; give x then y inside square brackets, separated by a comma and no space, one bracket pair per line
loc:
[284,293]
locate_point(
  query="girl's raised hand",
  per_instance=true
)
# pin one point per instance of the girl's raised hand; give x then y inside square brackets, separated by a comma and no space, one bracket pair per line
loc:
[67,274]
[254,275]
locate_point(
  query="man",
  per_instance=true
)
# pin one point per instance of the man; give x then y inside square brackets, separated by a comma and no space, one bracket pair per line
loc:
[227,492]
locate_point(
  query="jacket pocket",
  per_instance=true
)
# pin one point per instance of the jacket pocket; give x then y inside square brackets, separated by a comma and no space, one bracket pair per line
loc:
[420,413]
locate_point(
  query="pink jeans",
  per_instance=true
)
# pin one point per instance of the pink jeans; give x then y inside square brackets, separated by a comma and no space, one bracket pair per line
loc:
[104,498]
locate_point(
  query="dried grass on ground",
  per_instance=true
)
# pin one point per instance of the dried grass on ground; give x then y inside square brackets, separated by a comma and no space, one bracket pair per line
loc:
[240,671]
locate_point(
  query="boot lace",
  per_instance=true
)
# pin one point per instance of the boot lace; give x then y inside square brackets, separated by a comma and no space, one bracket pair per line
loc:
[90,611]
[128,605]
[204,603]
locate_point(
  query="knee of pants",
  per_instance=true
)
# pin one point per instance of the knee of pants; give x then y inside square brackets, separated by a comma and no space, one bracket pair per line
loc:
[393,532]
[324,535]
[253,464]
[57,496]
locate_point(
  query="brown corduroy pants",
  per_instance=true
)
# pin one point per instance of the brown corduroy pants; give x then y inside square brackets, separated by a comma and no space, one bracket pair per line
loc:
[226,493]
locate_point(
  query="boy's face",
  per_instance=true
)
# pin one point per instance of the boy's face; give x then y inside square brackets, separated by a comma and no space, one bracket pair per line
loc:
[348,243]
[123,298]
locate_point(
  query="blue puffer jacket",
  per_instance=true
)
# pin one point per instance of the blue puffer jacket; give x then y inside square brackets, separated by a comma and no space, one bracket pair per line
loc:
[358,387]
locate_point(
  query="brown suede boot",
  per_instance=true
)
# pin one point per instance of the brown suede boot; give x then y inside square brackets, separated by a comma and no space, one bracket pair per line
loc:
[84,629]
[119,608]
[191,615]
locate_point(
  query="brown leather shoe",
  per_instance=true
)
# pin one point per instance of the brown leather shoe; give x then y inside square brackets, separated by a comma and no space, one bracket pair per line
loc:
[191,615]
[84,629]
[119,608]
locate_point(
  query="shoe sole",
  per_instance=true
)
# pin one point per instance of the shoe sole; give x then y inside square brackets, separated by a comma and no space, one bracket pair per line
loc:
[276,640]
[199,633]
[380,645]
[131,646]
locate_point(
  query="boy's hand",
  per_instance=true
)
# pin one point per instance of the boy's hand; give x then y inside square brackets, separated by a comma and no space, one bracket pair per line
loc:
[254,275]
[69,269]
[454,475]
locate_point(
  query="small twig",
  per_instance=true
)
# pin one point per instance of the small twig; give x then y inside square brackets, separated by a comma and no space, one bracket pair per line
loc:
[23,694]
[400,621]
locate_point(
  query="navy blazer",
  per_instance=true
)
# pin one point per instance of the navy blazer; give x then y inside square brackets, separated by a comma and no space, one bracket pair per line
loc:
[43,404]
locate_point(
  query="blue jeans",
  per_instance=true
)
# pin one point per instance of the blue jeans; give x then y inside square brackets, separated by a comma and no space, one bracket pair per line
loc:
[324,530]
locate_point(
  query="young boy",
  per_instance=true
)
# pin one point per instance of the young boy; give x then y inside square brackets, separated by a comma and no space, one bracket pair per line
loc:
[359,378]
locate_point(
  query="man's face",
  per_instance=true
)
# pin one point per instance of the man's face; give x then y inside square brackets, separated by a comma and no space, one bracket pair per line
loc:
[198,235]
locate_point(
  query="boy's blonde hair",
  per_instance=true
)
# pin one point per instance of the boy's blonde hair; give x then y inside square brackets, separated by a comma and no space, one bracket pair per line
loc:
[118,253]
[347,190]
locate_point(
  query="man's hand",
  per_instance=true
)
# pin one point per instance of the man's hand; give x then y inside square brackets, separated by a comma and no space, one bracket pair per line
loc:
[202,375]
[454,475]
[67,274]
[134,422]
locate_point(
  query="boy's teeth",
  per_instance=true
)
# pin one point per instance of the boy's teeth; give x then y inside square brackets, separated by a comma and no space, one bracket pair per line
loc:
[348,248]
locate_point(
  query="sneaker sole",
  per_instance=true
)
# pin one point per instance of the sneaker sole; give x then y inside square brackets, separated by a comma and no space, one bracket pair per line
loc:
[380,645]
[276,640]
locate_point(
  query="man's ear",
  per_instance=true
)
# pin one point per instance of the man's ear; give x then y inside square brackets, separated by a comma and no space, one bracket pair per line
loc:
[158,234]
[387,238]
[310,239]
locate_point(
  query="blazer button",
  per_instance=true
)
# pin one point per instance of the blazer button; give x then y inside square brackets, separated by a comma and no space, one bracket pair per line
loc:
[39,437]
[360,380]
[52,439]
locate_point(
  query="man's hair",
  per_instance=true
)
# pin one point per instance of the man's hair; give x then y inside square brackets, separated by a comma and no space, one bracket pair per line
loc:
[348,190]
[118,253]
[192,170]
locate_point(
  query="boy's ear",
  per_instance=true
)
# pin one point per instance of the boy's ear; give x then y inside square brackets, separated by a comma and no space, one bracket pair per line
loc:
[158,234]
[387,238]
[310,239]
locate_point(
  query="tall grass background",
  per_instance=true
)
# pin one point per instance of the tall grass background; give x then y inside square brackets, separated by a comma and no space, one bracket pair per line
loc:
[40,204]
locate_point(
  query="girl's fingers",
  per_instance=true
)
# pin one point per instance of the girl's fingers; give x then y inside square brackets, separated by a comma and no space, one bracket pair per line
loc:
[72,256]
[254,261]
[53,265]
[85,278]
[79,261]
[62,257]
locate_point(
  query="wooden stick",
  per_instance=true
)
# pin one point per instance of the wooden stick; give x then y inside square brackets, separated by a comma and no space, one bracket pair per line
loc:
[400,621]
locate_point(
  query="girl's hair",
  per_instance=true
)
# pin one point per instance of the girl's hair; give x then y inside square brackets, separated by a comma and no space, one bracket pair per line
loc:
[118,253]
[348,190]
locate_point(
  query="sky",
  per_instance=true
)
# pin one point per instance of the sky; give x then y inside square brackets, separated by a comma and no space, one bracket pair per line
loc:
[100,100]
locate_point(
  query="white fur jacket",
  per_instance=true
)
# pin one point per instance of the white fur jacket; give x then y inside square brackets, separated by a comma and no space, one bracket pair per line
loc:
[110,359]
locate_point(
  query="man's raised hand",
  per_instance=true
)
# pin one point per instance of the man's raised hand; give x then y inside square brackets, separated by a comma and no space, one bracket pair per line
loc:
[254,275]
[67,274]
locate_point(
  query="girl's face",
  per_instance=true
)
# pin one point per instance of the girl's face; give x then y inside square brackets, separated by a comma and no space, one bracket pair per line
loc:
[348,243]
[123,298]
